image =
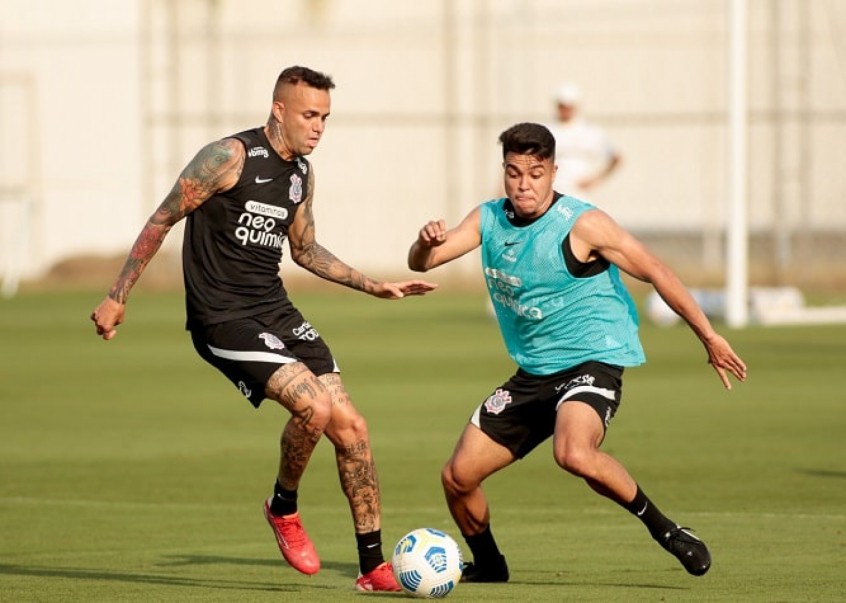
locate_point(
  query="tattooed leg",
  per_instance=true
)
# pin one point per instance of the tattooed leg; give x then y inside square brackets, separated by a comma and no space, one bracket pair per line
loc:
[348,433]
[299,391]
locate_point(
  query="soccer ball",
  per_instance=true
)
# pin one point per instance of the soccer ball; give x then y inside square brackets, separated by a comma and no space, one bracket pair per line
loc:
[427,563]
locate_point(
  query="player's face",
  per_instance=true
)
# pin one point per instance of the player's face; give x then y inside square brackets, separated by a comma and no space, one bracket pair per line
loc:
[528,183]
[301,114]
[566,112]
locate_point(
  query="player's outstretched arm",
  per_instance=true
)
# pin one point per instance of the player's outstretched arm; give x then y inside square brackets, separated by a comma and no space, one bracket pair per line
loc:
[215,168]
[311,255]
[596,234]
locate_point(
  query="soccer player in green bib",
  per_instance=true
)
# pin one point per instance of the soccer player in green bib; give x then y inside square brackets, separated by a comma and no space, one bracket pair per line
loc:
[552,266]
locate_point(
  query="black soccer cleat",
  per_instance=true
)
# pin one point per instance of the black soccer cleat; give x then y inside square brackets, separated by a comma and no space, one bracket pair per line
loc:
[492,572]
[688,549]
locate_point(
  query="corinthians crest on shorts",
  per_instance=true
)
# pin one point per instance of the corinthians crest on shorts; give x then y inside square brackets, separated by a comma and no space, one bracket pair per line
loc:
[496,403]
[272,341]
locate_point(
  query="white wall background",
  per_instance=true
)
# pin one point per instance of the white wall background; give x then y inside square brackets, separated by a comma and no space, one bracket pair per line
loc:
[103,101]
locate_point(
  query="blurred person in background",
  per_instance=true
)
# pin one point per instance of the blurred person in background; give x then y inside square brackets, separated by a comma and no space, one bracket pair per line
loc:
[552,265]
[242,196]
[584,153]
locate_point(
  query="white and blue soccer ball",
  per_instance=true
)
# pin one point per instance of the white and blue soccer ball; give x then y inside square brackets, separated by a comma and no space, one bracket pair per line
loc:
[427,563]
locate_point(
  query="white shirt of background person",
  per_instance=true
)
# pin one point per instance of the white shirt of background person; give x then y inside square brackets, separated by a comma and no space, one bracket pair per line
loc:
[583,152]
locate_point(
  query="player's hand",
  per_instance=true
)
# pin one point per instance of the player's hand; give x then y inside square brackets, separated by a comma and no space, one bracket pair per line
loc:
[107,316]
[432,234]
[403,288]
[724,360]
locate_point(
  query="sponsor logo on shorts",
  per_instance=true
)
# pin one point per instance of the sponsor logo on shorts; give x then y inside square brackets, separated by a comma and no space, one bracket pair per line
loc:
[272,341]
[306,332]
[576,382]
[246,391]
[496,403]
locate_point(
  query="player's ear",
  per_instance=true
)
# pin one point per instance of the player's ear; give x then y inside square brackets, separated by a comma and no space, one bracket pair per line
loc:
[278,110]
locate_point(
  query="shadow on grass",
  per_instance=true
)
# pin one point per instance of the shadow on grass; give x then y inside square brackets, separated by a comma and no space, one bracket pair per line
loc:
[181,560]
[341,568]
[556,578]
[822,473]
[88,574]
[350,569]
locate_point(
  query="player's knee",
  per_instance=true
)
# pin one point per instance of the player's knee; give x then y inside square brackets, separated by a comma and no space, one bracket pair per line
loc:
[357,425]
[320,412]
[573,459]
[347,427]
[447,479]
[453,482]
[313,417]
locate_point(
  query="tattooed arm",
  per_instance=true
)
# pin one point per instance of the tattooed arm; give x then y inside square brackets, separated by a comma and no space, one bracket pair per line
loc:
[311,255]
[215,168]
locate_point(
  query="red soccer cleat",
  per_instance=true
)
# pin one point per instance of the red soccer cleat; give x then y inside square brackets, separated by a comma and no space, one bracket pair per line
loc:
[380,579]
[294,543]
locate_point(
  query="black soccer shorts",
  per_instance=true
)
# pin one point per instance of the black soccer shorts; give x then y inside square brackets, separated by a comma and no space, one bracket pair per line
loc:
[520,414]
[249,350]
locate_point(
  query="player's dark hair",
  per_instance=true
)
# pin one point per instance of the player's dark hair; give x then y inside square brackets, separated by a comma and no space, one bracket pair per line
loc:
[296,74]
[528,139]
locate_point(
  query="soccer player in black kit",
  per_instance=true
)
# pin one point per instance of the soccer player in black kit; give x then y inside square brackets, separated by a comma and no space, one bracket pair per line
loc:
[242,197]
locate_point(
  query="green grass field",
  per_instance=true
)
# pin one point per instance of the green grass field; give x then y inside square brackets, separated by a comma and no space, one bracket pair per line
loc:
[131,471]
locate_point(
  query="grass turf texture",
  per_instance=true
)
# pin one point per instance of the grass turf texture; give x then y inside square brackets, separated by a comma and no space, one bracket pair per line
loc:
[131,471]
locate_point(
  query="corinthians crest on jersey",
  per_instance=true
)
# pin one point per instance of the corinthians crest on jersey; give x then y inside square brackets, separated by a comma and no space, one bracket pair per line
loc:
[295,192]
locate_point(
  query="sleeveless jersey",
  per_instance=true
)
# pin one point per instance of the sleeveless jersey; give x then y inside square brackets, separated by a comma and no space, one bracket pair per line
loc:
[551,319]
[233,242]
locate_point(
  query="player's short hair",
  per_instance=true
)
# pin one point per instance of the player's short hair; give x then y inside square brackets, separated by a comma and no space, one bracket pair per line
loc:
[296,74]
[528,139]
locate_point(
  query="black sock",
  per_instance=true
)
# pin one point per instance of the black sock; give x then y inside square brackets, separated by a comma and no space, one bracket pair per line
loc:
[369,551]
[484,548]
[645,510]
[284,502]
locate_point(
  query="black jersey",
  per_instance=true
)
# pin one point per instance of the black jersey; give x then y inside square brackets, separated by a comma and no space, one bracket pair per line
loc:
[233,241]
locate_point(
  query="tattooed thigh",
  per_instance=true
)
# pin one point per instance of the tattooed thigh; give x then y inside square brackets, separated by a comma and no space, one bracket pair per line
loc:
[332,382]
[300,392]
